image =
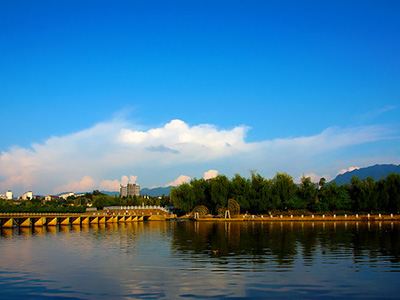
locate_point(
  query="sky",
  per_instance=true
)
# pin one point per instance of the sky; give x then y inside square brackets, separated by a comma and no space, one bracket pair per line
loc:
[98,93]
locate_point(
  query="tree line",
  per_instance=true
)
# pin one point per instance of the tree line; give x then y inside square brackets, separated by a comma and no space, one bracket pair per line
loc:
[258,195]
[103,200]
[38,206]
[78,204]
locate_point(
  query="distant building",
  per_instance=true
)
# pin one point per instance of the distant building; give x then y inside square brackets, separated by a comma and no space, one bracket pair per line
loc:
[130,190]
[27,196]
[9,195]
[66,195]
[49,198]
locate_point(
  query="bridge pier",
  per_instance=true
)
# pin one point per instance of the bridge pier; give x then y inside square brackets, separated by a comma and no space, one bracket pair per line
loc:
[39,221]
[7,222]
[75,220]
[64,220]
[51,221]
[24,222]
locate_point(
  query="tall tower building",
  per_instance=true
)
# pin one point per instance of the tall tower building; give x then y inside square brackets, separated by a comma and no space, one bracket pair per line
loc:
[130,190]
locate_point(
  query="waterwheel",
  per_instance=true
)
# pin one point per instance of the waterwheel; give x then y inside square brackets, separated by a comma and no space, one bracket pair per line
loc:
[200,211]
[234,208]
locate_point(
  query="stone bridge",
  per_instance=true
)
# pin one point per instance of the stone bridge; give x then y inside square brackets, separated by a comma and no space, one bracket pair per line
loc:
[9,220]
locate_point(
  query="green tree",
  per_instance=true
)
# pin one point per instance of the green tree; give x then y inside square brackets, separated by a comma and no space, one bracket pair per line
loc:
[307,193]
[239,189]
[198,188]
[322,182]
[392,189]
[183,197]
[356,193]
[283,189]
[101,201]
[97,193]
[333,197]
[260,191]
[219,191]
[369,194]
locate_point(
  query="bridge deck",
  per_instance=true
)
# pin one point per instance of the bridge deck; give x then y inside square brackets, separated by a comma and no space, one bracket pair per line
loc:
[8,220]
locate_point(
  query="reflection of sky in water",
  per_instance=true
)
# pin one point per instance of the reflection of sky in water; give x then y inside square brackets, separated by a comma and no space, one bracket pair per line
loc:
[169,260]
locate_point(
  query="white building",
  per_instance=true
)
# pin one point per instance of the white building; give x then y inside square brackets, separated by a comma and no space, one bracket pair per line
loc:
[66,195]
[9,195]
[27,196]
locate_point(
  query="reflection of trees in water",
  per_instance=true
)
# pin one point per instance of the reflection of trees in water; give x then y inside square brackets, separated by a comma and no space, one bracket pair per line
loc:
[377,239]
[282,242]
[128,236]
[236,239]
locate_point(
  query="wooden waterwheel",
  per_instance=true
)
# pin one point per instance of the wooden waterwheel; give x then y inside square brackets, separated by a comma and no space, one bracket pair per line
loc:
[234,208]
[200,211]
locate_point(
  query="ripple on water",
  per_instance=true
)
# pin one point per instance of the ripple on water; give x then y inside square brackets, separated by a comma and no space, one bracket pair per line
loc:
[192,261]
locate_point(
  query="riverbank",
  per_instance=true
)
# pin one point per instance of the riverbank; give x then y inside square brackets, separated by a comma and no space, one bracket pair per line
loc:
[304,218]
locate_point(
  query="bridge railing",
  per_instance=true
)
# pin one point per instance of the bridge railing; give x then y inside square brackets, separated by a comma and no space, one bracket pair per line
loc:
[166,209]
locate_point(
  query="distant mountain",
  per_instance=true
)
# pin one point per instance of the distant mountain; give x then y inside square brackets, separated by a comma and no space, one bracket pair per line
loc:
[110,193]
[156,192]
[104,192]
[376,172]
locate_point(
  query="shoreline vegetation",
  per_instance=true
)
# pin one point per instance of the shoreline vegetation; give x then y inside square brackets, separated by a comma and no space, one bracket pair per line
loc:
[282,196]
[256,196]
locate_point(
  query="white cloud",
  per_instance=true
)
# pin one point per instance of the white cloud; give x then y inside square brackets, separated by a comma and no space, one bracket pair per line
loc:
[373,114]
[210,174]
[159,154]
[114,185]
[386,108]
[85,184]
[132,179]
[109,185]
[177,141]
[342,171]
[124,180]
[329,139]
[181,179]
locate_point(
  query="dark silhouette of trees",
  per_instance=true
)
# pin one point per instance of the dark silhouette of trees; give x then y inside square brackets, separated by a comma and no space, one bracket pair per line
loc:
[260,195]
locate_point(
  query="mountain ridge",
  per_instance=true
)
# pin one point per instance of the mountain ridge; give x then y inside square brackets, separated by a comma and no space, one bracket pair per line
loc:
[156,192]
[376,171]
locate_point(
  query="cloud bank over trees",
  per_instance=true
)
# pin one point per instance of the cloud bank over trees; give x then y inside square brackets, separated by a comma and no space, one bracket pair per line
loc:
[95,158]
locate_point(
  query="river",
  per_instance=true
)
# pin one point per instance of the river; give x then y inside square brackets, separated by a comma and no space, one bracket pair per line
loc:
[202,260]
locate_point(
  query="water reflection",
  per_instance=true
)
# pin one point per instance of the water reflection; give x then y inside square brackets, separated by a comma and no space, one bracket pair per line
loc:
[192,260]
[285,241]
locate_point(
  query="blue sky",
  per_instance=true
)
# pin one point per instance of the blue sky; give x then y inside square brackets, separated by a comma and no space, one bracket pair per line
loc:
[94,93]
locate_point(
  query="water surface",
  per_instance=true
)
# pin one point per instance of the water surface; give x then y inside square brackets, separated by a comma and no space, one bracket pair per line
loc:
[200,260]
